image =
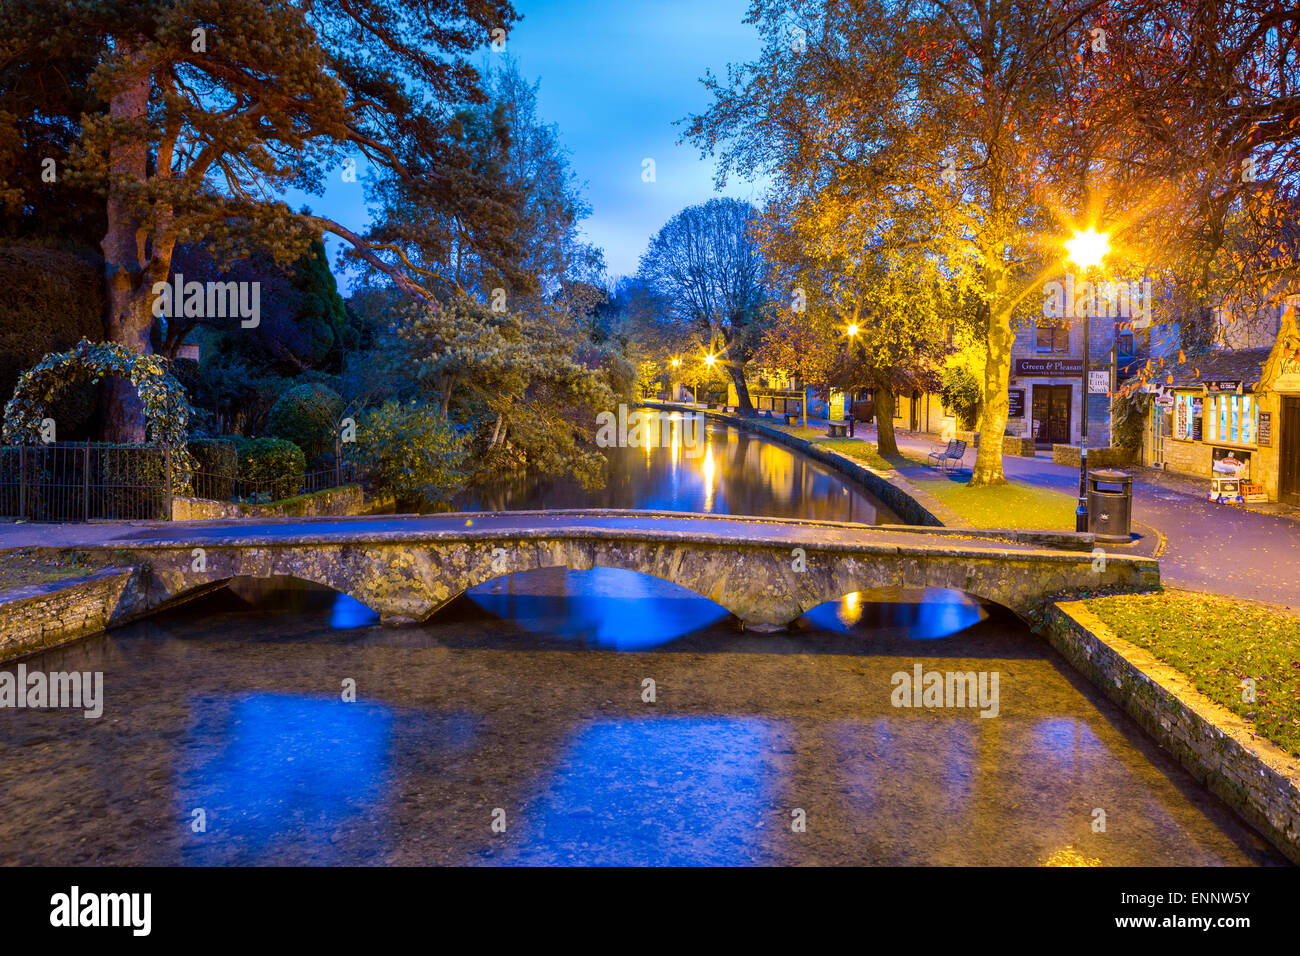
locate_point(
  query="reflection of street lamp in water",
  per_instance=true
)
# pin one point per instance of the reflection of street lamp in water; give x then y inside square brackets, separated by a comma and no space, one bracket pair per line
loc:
[1086,250]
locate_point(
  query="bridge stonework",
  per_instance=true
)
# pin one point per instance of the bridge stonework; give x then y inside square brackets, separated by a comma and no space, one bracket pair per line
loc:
[407,580]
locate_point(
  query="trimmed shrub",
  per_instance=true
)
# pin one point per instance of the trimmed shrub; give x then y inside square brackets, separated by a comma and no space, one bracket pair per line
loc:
[411,451]
[308,416]
[275,465]
[217,459]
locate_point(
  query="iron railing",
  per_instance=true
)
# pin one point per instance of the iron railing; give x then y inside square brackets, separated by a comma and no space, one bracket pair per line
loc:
[66,481]
[218,487]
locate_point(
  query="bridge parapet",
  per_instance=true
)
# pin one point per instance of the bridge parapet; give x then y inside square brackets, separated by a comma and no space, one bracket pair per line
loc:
[766,573]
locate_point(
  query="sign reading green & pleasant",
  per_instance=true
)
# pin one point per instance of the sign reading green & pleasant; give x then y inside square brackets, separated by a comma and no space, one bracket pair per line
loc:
[1050,366]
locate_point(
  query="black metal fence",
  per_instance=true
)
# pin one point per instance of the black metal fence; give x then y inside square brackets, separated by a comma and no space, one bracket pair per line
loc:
[216,487]
[64,481]
[69,482]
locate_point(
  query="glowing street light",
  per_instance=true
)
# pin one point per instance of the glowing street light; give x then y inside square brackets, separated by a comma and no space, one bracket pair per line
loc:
[853,329]
[1088,248]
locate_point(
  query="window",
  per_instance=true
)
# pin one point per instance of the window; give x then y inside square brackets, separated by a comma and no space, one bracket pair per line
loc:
[1125,343]
[1231,418]
[1052,339]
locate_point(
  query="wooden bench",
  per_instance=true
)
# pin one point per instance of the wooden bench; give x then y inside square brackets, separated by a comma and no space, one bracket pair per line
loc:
[837,429]
[950,457]
[792,418]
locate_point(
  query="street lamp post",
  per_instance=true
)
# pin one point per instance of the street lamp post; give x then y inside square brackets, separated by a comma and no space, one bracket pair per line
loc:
[1086,249]
[676,364]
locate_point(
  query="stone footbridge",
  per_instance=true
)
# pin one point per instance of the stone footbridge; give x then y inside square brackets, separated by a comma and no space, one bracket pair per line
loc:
[766,572]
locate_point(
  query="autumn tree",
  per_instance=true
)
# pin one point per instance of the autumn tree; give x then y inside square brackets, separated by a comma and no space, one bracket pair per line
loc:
[920,111]
[212,108]
[1183,129]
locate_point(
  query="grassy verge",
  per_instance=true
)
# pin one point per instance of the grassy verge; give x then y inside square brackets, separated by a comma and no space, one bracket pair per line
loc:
[1218,643]
[24,566]
[1013,505]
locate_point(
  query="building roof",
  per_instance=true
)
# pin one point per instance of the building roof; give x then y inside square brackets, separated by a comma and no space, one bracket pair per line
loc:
[1218,365]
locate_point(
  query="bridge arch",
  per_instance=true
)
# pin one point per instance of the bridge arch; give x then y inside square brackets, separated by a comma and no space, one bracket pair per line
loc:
[767,579]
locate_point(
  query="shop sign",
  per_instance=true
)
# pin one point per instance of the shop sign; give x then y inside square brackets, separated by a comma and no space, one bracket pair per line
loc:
[1017,403]
[1264,430]
[1051,367]
[1098,382]
[1287,378]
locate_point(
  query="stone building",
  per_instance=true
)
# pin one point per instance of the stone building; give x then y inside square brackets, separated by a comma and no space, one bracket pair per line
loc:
[1234,412]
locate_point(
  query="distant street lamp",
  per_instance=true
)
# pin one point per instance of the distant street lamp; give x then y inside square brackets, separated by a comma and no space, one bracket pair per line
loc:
[1086,250]
[676,364]
[708,360]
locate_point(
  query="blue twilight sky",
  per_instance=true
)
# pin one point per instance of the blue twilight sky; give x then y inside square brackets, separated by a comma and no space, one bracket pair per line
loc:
[614,75]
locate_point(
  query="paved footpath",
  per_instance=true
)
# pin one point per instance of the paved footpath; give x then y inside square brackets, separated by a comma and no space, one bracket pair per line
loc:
[1203,547]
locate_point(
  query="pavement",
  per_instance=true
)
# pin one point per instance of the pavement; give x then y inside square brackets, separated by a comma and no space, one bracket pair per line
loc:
[493,526]
[1202,546]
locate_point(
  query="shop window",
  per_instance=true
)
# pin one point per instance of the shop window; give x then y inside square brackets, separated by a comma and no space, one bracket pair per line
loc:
[1231,418]
[1053,339]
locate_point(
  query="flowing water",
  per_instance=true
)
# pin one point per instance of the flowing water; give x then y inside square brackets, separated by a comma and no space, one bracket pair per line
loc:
[600,717]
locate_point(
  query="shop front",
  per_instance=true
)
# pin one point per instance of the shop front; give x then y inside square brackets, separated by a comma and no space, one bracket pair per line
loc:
[1053,385]
[1232,417]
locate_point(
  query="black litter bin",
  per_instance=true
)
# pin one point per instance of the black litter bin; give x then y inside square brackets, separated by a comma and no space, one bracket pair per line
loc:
[1110,504]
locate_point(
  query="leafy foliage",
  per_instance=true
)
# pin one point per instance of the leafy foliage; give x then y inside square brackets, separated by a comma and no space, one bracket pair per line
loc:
[165,404]
[52,299]
[961,393]
[276,466]
[411,451]
[308,416]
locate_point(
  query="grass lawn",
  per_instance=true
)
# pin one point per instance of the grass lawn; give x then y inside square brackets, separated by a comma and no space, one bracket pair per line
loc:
[1217,643]
[1013,505]
[23,566]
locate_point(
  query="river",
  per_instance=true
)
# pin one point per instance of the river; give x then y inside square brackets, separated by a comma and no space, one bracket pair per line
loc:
[598,717]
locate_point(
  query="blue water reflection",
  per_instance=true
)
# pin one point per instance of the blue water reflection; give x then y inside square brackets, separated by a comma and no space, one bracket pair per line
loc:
[607,608]
[925,614]
[674,791]
[348,612]
[276,772]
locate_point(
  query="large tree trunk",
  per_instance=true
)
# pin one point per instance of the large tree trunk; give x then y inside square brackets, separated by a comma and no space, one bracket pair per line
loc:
[737,372]
[129,306]
[996,403]
[886,443]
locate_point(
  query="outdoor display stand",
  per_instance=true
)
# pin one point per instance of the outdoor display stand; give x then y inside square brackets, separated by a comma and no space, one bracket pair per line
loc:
[1231,471]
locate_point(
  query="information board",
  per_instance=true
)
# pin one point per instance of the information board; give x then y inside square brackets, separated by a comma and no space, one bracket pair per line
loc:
[1265,433]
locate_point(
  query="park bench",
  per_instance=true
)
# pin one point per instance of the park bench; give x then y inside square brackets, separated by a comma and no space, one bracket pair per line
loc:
[837,429]
[950,457]
[792,418]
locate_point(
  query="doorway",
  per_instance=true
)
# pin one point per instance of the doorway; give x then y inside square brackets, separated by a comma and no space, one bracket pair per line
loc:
[1288,451]
[1052,414]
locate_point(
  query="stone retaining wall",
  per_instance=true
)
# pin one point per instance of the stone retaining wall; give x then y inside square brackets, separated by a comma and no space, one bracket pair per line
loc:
[344,500]
[1255,777]
[38,616]
[1097,457]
